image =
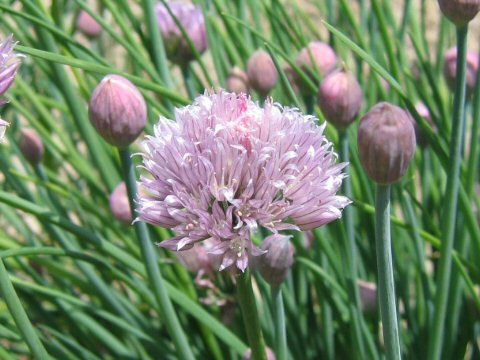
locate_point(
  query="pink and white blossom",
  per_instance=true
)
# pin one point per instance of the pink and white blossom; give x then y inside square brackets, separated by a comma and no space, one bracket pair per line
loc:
[226,167]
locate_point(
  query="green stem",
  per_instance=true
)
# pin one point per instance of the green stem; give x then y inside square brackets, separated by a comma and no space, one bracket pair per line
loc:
[250,316]
[19,315]
[279,323]
[351,255]
[156,45]
[386,288]
[149,255]
[187,78]
[451,200]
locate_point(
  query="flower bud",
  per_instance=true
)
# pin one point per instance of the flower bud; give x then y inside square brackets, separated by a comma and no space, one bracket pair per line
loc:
[368,295]
[460,12]
[120,205]
[248,354]
[31,146]
[277,260]
[262,73]
[450,69]
[340,98]
[237,81]
[194,259]
[87,25]
[191,18]
[117,110]
[318,56]
[3,128]
[386,142]
[423,111]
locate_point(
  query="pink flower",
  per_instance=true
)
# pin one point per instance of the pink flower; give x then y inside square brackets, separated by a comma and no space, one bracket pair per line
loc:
[9,64]
[228,166]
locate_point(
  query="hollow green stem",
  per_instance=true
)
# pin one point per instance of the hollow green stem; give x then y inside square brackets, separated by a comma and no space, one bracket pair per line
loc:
[187,78]
[450,201]
[250,316]
[19,315]
[156,45]
[155,277]
[351,255]
[279,323]
[386,286]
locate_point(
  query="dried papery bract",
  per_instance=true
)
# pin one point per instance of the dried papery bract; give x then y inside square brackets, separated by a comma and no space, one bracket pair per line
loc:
[87,25]
[3,127]
[386,143]
[340,98]
[226,166]
[460,12]
[262,73]
[31,146]
[450,69]
[191,18]
[237,81]
[119,204]
[277,260]
[117,110]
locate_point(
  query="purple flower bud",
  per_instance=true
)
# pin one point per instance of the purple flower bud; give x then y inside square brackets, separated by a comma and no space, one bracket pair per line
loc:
[3,128]
[386,142]
[237,81]
[31,146]
[9,64]
[120,205]
[423,111]
[248,354]
[460,12]
[317,56]
[117,110]
[191,18]
[368,295]
[450,69]
[195,259]
[277,260]
[340,98]
[262,73]
[87,25]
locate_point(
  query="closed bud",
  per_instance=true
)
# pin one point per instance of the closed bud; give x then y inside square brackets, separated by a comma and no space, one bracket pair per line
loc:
[277,260]
[340,98]
[386,142]
[31,146]
[117,110]
[237,81]
[120,205]
[262,73]
[423,111]
[450,69]
[460,12]
[317,57]
[248,354]
[87,25]
[368,295]
[191,18]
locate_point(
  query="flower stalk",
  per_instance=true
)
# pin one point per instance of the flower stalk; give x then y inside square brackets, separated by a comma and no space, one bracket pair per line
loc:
[250,315]
[279,323]
[451,199]
[155,277]
[386,286]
